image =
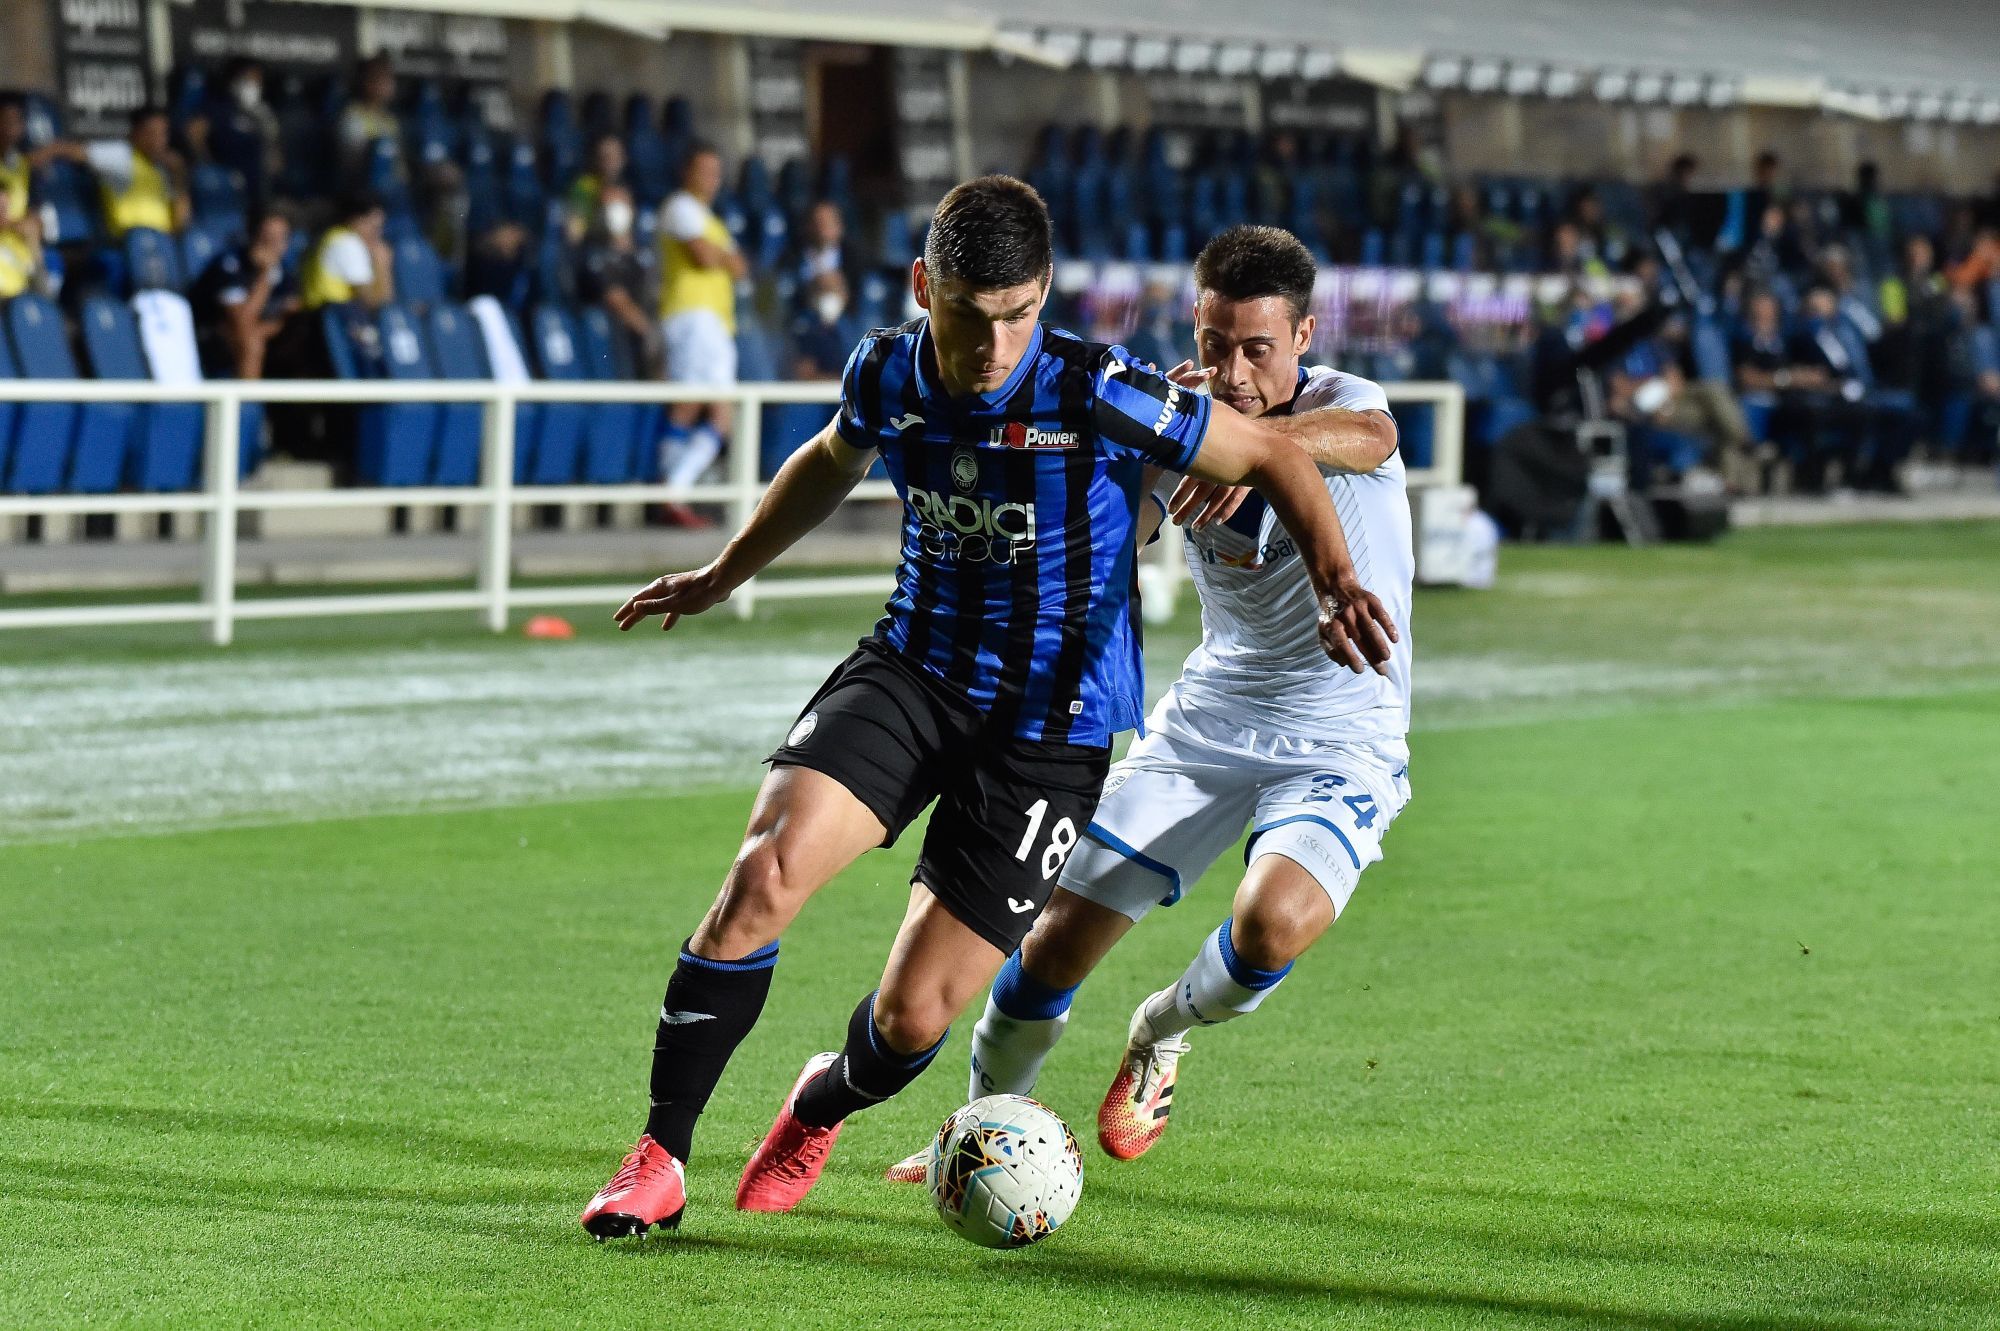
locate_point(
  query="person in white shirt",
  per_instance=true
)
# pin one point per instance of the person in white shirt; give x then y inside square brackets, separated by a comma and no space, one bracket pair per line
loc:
[1260,730]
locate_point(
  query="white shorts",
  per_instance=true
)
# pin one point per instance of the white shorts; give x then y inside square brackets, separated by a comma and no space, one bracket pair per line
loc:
[700,349]
[1186,791]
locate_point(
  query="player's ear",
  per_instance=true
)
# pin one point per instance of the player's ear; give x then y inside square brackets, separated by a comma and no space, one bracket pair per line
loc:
[1302,338]
[920,283]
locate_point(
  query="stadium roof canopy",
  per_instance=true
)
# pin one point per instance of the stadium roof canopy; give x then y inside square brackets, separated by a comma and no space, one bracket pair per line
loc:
[1924,58]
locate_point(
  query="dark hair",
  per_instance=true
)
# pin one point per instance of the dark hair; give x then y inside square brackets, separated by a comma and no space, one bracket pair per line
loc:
[276,210]
[358,203]
[9,99]
[990,234]
[1251,262]
[240,65]
[1682,164]
[141,114]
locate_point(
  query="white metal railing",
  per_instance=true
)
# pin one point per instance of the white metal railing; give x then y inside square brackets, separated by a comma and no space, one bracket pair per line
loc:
[494,595]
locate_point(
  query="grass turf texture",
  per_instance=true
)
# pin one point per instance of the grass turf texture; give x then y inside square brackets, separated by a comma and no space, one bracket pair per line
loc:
[1679,1015]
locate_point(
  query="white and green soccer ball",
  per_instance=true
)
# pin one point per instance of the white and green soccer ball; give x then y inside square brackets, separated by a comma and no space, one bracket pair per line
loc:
[1005,1171]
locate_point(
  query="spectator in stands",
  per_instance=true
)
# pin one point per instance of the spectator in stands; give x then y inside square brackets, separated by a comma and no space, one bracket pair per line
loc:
[369,116]
[1572,255]
[1807,386]
[700,267]
[1277,167]
[351,262]
[242,299]
[497,264]
[615,272]
[1677,421]
[143,180]
[1981,263]
[22,268]
[19,162]
[1766,185]
[1972,407]
[586,192]
[1858,305]
[242,132]
[1603,238]
[1864,212]
[822,248]
[824,332]
[1672,202]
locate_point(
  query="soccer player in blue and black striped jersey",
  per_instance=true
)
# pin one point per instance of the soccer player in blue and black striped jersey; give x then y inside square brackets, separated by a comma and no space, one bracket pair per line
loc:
[992,688]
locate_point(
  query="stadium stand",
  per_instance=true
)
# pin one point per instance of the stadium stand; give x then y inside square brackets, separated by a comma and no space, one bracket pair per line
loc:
[1430,272]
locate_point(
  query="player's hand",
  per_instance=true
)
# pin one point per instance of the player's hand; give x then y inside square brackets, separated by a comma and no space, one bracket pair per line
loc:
[1185,375]
[1197,503]
[1355,629]
[672,596]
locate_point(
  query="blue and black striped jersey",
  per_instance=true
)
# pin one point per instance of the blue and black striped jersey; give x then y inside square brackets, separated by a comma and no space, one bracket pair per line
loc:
[1017,582]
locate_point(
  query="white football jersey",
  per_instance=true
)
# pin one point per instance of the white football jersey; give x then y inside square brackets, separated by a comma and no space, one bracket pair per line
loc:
[1259,663]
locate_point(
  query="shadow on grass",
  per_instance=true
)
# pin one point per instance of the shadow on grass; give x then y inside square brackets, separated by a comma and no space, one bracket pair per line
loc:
[1158,1283]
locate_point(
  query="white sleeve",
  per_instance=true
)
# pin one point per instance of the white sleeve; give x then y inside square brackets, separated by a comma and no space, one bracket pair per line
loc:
[1346,392]
[684,218]
[111,159]
[348,259]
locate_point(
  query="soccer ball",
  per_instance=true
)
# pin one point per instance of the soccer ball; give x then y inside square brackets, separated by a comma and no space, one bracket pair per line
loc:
[1005,1172]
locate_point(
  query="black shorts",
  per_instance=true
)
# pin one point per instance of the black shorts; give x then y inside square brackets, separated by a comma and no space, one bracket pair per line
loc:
[1009,810]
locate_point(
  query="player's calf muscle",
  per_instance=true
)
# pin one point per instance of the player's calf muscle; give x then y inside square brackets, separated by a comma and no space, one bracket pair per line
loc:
[1071,937]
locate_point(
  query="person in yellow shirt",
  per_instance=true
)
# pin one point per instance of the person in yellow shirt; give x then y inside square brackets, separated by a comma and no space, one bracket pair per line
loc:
[143,179]
[351,262]
[21,267]
[699,268]
[586,193]
[19,162]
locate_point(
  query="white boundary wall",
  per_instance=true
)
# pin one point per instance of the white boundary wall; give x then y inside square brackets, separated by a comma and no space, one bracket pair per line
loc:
[220,499]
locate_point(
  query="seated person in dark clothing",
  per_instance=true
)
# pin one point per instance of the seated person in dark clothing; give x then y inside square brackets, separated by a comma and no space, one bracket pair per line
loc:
[242,299]
[623,276]
[498,265]
[823,332]
[1807,385]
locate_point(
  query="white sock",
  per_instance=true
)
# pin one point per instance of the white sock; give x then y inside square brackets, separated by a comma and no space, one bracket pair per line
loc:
[1007,1052]
[688,459]
[1217,986]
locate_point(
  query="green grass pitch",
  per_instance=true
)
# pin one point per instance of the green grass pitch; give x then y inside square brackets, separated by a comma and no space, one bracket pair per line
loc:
[1675,1005]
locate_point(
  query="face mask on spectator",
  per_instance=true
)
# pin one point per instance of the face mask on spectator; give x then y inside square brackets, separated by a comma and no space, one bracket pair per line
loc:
[618,217]
[829,306]
[249,92]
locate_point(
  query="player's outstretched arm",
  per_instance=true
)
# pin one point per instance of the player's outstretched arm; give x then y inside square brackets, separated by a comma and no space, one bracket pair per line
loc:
[806,491]
[1354,627]
[1338,439]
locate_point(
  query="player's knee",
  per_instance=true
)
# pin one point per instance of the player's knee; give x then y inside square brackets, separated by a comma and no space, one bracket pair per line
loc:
[759,895]
[1053,958]
[911,1023]
[1273,925]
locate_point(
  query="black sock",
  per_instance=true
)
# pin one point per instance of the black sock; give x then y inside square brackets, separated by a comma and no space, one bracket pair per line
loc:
[867,1072]
[710,1007]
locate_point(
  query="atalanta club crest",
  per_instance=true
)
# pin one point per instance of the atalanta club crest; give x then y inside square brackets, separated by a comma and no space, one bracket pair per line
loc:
[964,470]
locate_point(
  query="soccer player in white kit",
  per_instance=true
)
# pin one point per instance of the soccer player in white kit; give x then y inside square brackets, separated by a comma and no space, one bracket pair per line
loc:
[1260,730]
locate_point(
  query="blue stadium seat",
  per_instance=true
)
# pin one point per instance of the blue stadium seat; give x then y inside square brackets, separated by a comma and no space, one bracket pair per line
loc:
[521,185]
[200,243]
[218,194]
[562,141]
[1711,351]
[420,274]
[10,412]
[385,176]
[164,439]
[611,447]
[152,260]
[648,160]
[598,116]
[1374,249]
[553,350]
[49,440]
[67,189]
[397,444]
[897,250]
[458,353]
